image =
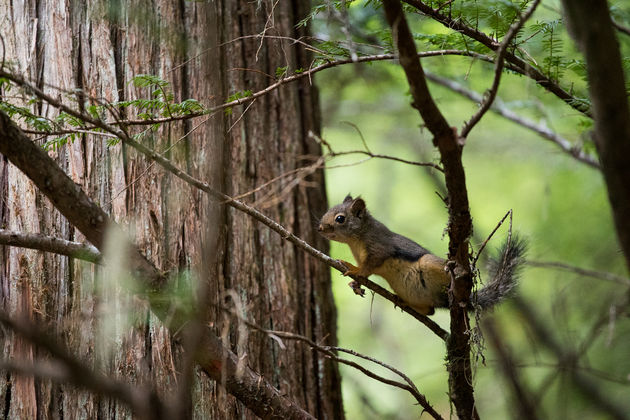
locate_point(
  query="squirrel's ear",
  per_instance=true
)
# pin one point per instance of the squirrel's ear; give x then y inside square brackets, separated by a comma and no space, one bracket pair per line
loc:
[357,208]
[347,199]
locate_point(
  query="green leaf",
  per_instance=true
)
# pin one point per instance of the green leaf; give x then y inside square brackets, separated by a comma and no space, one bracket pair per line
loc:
[57,142]
[239,95]
[148,80]
[281,72]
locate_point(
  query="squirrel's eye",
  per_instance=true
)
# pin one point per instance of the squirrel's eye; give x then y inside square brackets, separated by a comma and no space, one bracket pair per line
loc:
[340,219]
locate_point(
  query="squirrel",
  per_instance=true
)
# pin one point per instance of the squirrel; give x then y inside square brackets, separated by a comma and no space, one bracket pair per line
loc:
[416,275]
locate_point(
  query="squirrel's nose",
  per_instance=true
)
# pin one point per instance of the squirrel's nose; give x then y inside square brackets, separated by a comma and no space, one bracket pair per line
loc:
[320,227]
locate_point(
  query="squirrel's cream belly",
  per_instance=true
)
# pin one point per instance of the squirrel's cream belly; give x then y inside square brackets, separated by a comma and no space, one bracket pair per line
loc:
[422,284]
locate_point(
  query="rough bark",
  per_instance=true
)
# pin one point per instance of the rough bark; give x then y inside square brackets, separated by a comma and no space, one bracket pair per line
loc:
[592,28]
[282,288]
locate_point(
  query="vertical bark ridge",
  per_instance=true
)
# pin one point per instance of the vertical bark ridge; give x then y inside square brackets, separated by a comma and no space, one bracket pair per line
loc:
[277,283]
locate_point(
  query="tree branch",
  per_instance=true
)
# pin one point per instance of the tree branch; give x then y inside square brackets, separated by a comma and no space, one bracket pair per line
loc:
[224,198]
[498,70]
[460,222]
[540,129]
[408,57]
[52,244]
[525,402]
[580,271]
[590,24]
[368,152]
[330,352]
[19,80]
[567,360]
[621,28]
[458,25]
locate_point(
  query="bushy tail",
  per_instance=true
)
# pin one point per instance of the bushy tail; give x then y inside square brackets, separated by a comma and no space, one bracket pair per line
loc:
[504,270]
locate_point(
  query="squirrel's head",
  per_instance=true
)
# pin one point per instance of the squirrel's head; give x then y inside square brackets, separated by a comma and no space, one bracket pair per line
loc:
[343,222]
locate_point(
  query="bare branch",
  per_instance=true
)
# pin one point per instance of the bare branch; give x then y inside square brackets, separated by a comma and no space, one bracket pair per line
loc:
[485,242]
[378,362]
[566,358]
[498,69]
[272,197]
[621,28]
[367,152]
[288,79]
[68,131]
[4,52]
[525,402]
[330,352]
[602,275]
[52,244]
[540,129]
[408,57]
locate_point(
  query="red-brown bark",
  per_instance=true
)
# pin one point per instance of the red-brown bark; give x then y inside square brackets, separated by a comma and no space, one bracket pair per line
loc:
[76,47]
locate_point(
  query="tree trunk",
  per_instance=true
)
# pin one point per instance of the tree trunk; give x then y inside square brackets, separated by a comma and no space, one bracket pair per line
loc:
[99,47]
[592,29]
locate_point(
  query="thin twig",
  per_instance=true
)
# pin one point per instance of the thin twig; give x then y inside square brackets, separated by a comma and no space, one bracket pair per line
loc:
[602,275]
[302,172]
[330,352]
[378,362]
[4,51]
[356,128]
[146,170]
[68,131]
[288,79]
[367,152]
[240,117]
[483,245]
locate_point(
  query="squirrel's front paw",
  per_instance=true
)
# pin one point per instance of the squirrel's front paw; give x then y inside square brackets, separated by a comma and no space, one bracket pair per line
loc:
[351,270]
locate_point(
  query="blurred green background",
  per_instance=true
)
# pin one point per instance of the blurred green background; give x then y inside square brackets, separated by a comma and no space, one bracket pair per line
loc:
[560,205]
